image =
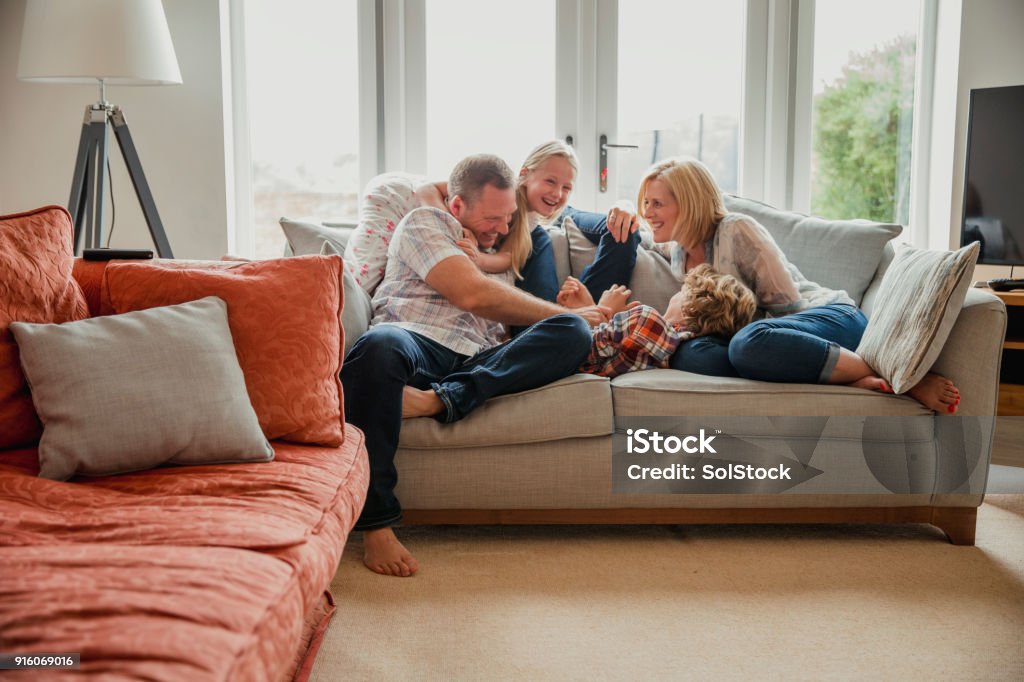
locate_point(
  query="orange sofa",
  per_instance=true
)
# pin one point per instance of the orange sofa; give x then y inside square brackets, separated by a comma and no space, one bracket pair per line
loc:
[216,572]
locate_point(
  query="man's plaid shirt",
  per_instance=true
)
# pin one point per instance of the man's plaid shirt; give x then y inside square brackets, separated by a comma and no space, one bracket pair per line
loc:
[634,339]
[424,238]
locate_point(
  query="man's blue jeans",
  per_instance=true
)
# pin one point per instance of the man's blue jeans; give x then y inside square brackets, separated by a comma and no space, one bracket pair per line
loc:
[387,358]
[798,348]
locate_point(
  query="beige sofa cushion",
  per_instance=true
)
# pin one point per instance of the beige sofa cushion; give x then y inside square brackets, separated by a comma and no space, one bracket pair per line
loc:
[579,406]
[668,392]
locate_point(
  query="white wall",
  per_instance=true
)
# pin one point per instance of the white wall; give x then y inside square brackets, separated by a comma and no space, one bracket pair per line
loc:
[178,131]
[991,55]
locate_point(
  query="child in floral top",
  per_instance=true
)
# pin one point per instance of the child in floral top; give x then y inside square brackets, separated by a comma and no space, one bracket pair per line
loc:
[638,337]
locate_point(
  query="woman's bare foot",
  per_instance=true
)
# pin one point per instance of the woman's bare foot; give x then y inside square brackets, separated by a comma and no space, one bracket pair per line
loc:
[384,554]
[417,403]
[937,393]
[872,382]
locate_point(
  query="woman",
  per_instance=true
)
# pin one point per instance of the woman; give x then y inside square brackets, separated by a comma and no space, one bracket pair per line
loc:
[546,179]
[809,334]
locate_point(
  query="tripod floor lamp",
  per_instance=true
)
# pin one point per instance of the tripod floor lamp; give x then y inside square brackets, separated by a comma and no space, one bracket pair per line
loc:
[101,42]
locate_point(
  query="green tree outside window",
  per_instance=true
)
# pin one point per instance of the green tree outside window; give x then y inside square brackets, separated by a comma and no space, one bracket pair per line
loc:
[862,136]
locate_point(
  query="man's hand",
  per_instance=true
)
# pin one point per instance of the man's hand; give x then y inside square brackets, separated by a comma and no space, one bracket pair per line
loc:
[615,298]
[573,294]
[622,221]
[594,314]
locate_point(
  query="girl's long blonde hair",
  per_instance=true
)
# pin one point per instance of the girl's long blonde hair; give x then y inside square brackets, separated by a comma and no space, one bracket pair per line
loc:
[520,243]
[697,195]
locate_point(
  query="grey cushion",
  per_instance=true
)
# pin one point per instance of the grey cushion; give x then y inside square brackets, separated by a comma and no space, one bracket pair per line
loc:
[560,250]
[652,281]
[838,254]
[358,309]
[130,392]
[918,303]
[307,238]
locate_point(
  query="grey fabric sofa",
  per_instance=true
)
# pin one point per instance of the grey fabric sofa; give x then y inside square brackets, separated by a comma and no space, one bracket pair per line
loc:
[545,456]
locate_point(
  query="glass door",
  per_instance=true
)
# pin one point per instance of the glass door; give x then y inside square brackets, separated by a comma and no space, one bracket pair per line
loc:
[674,87]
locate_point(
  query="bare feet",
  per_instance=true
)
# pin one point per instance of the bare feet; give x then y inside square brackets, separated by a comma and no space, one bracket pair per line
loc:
[384,554]
[872,382]
[936,393]
[417,403]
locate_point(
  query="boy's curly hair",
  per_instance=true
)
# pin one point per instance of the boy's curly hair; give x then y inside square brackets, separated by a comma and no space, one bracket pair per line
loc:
[715,303]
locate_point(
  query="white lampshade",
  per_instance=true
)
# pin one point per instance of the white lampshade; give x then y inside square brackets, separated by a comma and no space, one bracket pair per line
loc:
[123,42]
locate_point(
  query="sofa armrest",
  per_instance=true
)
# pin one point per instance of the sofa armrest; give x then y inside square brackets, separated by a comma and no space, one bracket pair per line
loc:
[972,355]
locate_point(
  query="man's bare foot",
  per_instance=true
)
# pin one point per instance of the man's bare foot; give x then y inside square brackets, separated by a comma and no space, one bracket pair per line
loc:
[937,393]
[417,403]
[872,383]
[384,554]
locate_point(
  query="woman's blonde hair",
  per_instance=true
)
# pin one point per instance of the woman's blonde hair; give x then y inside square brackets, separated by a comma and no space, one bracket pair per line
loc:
[521,243]
[697,195]
[715,303]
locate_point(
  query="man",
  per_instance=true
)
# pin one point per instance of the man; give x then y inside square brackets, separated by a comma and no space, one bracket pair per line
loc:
[434,346]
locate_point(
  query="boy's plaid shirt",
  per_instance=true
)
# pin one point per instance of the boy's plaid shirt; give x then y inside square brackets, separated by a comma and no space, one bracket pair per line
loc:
[634,339]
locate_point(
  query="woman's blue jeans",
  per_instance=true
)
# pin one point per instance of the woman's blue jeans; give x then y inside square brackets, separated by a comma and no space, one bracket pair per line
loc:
[387,358]
[798,348]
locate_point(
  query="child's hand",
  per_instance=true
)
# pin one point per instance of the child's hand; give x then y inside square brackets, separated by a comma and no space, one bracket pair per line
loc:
[615,298]
[469,248]
[469,245]
[574,295]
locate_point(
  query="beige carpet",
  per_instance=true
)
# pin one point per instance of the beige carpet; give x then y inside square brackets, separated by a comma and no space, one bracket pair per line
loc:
[690,602]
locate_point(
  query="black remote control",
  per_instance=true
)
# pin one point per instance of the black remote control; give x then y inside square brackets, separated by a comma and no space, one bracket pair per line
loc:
[120,254]
[1005,284]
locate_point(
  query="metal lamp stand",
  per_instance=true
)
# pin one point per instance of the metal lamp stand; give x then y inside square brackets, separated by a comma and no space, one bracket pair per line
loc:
[87,187]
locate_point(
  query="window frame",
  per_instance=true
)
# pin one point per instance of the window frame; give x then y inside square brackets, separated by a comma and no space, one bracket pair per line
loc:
[775,117]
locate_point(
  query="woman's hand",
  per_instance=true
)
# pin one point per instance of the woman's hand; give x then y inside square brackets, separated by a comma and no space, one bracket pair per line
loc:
[574,295]
[615,298]
[622,221]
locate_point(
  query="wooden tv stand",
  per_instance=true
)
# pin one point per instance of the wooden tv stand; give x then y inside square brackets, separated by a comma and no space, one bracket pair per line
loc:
[1011,396]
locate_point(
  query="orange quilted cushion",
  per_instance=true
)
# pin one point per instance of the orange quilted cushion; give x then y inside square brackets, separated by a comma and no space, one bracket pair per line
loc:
[285,319]
[35,286]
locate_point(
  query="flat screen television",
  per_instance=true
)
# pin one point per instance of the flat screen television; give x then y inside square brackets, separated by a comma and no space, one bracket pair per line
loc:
[994,177]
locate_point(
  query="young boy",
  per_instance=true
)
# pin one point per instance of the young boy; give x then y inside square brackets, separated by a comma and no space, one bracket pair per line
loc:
[638,337]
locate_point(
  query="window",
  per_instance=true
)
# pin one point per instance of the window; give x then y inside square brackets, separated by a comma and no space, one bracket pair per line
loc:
[679,86]
[303,118]
[863,109]
[490,80]
[805,104]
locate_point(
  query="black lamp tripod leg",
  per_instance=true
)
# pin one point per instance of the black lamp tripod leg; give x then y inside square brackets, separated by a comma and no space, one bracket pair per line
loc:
[76,204]
[138,176]
[88,184]
[99,177]
[83,184]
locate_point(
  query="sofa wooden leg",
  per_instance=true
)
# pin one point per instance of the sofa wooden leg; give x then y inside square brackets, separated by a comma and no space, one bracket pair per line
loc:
[958,523]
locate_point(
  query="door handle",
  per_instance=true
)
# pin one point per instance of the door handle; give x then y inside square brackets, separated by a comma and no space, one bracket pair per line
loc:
[605,146]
